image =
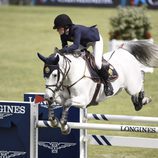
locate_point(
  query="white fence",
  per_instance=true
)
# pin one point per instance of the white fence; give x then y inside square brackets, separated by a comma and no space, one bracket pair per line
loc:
[100,139]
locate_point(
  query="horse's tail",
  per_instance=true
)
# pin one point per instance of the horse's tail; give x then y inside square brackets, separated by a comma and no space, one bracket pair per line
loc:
[144,52]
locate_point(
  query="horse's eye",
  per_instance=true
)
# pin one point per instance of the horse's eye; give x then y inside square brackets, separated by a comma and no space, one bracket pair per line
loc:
[54,75]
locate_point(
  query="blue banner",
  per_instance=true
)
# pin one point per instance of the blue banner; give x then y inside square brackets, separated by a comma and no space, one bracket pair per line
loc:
[14,129]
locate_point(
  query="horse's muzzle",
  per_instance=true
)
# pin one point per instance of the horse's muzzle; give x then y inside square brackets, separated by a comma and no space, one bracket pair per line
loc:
[48,99]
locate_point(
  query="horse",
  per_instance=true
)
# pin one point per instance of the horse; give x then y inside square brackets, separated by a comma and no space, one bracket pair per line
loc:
[69,81]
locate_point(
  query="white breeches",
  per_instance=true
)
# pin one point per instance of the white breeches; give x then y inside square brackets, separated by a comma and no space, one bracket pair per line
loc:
[97,51]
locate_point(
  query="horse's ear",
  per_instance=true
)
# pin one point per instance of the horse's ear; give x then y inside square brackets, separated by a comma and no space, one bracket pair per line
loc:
[41,57]
[57,58]
[53,59]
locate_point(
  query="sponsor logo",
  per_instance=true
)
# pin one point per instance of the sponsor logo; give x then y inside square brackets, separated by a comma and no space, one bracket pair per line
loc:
[44,104]
[8,110]
[9,154]
[138,129]
[55,146]
[4,115]
[53,106]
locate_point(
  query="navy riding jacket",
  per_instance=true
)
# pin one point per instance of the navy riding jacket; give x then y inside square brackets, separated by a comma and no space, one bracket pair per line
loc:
[79,35]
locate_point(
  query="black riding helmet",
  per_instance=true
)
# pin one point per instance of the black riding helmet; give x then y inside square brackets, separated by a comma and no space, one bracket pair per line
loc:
[62,20]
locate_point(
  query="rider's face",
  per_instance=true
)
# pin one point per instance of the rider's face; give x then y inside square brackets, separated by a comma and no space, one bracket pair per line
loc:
[60,30]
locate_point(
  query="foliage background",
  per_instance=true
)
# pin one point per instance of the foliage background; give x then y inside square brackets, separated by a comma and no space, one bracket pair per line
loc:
[27,30]
[130,23]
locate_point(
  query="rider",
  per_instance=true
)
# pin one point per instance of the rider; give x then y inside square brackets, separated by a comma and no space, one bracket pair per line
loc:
[82,37]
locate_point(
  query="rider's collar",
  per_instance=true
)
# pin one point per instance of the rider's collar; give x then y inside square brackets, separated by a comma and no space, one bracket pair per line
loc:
[48,69]
[67,31]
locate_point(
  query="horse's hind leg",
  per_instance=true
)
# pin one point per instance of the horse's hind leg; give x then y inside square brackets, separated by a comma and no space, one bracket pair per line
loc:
[139,100]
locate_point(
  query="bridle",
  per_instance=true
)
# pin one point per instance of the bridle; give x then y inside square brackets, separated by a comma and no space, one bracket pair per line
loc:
[60,84]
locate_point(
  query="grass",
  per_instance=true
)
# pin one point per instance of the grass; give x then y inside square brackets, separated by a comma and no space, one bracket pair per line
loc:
[27,30]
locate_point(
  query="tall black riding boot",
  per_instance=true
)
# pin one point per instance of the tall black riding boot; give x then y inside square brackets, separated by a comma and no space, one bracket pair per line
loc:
[108,89]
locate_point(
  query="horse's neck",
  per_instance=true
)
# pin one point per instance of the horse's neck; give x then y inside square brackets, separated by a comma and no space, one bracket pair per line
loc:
[77,68]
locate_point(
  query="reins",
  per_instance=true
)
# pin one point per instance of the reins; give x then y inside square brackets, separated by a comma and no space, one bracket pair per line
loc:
[70,86]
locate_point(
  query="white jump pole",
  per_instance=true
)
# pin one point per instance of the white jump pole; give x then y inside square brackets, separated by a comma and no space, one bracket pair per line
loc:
[83,135]
[33,130]
[125,118]
[108,127]
[122,141]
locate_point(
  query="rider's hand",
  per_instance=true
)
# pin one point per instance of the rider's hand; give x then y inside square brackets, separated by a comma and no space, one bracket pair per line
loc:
[62,50]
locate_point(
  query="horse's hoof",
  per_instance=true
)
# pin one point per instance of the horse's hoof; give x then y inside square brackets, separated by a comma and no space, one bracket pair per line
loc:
[138,107]
[65,130]
[54,122]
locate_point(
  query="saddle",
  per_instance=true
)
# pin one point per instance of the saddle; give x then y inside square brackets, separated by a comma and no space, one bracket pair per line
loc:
[89,58]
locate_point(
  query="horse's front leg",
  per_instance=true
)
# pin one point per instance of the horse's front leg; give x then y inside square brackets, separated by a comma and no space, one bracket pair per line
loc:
[79,101]
[51,116]
[65,128]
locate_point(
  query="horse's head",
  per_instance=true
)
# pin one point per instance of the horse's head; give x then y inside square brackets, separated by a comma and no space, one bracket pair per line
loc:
[53,73]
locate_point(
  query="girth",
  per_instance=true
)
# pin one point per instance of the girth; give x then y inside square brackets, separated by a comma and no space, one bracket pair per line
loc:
[93,101]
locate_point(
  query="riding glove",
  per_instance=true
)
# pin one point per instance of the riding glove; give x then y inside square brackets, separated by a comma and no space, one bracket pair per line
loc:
[62,51]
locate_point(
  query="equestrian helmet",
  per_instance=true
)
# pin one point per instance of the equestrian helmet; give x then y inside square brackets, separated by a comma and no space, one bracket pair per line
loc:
[62,20]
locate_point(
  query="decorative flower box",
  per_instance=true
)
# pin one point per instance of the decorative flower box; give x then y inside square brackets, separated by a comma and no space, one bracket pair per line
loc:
[130,23]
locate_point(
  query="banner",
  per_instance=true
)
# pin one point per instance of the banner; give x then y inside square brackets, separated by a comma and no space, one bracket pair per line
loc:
[108,3]
[152,3]
[14,129]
